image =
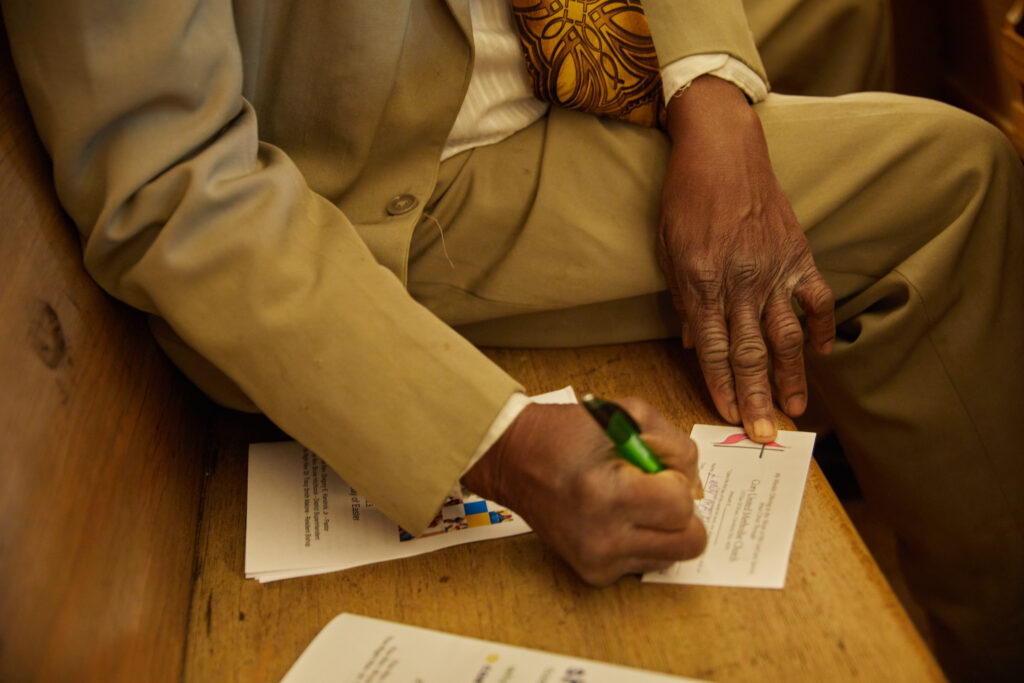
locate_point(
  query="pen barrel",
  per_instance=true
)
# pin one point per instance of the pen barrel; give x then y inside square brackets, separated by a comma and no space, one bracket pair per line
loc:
[639,453]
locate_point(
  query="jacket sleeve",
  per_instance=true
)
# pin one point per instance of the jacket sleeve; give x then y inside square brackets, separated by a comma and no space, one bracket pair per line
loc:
[185,214]
[683,28]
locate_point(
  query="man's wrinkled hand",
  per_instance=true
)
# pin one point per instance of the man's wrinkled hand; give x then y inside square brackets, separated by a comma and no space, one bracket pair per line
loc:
[734,257]
[605,517]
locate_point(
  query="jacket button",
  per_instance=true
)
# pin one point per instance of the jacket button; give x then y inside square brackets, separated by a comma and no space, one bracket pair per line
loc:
[403,203]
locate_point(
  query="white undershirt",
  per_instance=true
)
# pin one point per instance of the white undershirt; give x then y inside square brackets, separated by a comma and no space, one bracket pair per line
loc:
[500,102]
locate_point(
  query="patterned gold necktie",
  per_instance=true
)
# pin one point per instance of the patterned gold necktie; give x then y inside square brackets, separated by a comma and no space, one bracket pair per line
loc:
[592,55]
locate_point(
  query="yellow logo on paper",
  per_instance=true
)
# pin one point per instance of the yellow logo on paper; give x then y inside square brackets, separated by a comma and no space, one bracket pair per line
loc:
[491,659]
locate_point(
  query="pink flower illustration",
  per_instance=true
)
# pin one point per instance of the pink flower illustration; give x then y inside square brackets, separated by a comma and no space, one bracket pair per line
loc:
[736,438]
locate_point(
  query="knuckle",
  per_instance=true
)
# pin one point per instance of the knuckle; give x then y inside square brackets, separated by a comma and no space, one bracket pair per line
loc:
[743,273]
[787,339]
[741,292]
[721,384]
[621,497]
[816,294]
[823,298]
[755,399]
[713,348]
[705,284]
[689,456]
[748,354]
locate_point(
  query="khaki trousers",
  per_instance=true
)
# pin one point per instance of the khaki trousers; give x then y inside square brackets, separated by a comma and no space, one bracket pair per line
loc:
[824,47]
[914,212]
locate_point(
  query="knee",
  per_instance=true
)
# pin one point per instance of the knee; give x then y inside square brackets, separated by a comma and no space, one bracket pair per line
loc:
[975,175]
[979,154]
[979,134]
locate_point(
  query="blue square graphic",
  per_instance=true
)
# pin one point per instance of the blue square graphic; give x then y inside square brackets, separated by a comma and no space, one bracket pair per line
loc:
[475,507]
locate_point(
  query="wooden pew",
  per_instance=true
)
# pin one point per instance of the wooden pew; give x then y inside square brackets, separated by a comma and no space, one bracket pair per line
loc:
[102,457]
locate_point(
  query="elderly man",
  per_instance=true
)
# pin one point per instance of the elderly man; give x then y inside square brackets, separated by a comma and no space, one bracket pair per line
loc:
[321,204]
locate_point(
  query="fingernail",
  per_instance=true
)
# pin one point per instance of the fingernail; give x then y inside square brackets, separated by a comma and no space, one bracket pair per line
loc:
[826,348]
[763,430]
[732,414]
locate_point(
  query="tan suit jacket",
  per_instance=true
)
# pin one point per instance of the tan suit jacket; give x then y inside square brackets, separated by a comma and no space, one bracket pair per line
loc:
[233,168]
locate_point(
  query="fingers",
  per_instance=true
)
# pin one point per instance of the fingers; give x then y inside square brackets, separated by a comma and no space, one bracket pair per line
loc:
[748,356]
[606,517]
[661,502]
[680,456]
[674,448]
[669,546]
[646,551]
[711,338]
[786,339]
[818,304]
[650,524]
[745,325]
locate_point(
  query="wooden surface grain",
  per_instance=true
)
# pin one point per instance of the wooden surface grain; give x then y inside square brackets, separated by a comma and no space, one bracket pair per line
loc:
[100,463]
[836,619]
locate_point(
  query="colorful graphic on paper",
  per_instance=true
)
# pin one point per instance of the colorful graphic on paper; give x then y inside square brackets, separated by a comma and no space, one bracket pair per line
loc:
[741,440]
[465,512]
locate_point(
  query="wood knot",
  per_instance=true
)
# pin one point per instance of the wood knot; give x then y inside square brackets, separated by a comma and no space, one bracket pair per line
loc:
[47,336]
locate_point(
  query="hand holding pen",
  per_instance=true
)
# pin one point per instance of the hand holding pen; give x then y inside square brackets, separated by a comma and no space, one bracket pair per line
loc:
[624,432]
[604,516]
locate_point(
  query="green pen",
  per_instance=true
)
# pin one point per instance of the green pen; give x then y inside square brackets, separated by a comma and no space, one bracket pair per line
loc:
[624,432]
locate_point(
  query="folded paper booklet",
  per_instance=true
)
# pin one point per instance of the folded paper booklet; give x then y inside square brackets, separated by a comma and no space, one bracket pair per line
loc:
[303,519]
[357,649]
[752,496]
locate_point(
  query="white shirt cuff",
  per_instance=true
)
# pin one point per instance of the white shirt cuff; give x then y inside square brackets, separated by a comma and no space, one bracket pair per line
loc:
[516,403]
[678,75]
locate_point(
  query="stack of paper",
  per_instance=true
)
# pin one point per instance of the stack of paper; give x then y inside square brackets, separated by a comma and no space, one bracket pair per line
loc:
[303,519]
[355,648]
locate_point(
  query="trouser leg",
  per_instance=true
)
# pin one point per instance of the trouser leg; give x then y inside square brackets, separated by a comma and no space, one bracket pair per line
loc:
[913,210]
[824,47]
[923,384]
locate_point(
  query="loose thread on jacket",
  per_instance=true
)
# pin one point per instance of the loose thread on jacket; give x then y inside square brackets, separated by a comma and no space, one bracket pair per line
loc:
[443,245]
